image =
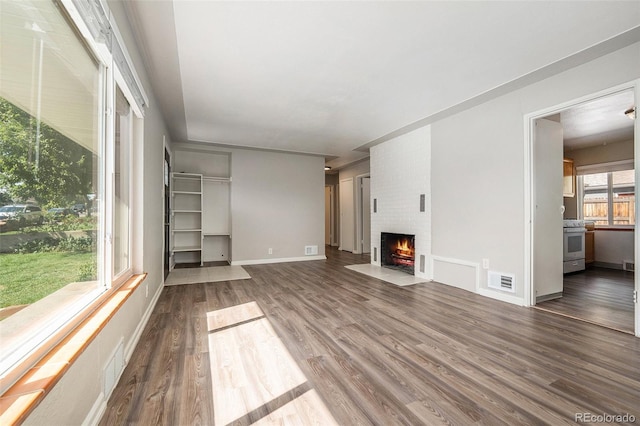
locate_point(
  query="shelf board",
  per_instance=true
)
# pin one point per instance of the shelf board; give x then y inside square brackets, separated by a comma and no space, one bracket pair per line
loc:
[215,234]
[186,192]
[187,211]
[187,230]
[216,179]
[191,176]
[186,248]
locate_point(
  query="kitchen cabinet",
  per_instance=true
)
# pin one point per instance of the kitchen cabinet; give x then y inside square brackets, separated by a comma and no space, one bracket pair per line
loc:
[589,247]
[569,178]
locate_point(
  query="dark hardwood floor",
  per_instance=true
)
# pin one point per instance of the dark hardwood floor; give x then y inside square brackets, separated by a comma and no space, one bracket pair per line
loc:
[598,295]
[380,354]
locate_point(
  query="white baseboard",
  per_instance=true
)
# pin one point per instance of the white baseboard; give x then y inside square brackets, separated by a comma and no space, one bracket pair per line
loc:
[128,351]
[498,295]
[277,260]
[98,409]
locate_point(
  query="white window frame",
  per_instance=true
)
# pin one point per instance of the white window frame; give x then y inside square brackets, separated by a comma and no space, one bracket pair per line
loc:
[608,168]
[136,120]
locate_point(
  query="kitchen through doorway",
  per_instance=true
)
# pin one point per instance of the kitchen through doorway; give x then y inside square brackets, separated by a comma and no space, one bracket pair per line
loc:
[598,211]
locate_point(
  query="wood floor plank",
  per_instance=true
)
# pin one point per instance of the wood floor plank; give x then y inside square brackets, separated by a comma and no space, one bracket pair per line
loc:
[368,353]
[598,295]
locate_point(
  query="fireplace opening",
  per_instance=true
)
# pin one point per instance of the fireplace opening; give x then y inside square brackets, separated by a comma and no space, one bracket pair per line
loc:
[397,251]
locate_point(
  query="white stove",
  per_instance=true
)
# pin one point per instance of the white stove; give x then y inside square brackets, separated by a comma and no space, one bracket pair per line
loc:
[573,223]
[573,242]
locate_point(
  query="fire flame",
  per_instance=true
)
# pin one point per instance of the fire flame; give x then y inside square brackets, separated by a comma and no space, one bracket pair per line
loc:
[404,248]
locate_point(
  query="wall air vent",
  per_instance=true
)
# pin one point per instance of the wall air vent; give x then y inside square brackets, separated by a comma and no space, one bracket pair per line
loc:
[502,281]
[113,370]
[628,265]
[310,250]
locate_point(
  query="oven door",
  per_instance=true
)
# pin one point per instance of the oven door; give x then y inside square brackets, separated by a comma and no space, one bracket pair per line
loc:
[573,243]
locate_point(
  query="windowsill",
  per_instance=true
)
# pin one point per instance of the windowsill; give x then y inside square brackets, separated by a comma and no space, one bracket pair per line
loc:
[21,398]
[54,310]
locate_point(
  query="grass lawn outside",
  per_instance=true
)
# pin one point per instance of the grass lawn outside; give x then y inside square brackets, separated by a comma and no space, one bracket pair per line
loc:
[27,278]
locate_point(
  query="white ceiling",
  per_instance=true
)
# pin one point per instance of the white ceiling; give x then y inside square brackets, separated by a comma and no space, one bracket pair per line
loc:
[601,121]
[333,77]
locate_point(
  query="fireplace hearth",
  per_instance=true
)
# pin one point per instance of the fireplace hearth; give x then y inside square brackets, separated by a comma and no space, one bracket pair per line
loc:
[397,251]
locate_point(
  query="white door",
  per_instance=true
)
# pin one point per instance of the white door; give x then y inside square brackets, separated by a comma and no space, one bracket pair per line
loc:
[366,214]
[548,202]
[636,235]
[327,215]
[347,215]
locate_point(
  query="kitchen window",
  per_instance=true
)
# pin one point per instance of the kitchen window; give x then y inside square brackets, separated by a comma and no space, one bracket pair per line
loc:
[607,194]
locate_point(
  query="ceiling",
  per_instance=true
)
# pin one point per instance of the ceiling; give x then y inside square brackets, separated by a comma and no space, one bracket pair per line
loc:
[598,122]
[332,78]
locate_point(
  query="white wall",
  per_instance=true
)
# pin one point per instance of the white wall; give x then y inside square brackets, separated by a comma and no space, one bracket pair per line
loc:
[277,199]
[194,159]
[400,173]
[361,167]
[612,248]
[277,202]
[77,396]
[478,169]
[608,153]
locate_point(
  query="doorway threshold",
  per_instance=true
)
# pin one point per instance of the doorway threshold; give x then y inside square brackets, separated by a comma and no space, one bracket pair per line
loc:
[573,317]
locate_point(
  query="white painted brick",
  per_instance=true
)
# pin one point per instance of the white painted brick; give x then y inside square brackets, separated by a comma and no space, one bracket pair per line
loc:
[400,172]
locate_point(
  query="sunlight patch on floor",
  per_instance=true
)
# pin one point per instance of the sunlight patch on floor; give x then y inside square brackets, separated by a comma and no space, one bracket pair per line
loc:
[251,370]
[233,315]
[307,409]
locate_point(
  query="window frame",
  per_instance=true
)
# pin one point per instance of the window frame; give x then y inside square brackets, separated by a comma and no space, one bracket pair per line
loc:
[135,120]
[609,169]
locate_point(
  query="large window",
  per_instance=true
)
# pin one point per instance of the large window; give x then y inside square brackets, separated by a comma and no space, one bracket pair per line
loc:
[608,197]
[65,177]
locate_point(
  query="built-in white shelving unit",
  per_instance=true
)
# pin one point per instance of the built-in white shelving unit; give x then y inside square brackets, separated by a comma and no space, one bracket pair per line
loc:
[186,215]
[201,222]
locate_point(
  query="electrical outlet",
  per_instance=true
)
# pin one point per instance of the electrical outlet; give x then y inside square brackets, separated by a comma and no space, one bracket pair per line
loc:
[270,250]
[485,263]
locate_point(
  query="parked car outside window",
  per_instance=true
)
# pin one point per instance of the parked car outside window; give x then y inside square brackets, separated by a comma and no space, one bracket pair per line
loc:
[58,213]
[23,214]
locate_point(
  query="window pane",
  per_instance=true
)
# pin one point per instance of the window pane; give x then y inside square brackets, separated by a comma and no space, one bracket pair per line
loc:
[122,153]
[596,199]
[623,197]
[49,164]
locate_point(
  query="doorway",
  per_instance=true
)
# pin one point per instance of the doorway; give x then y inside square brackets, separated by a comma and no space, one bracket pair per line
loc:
[347,215]
[329,215]
[599,140]
[363,222]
